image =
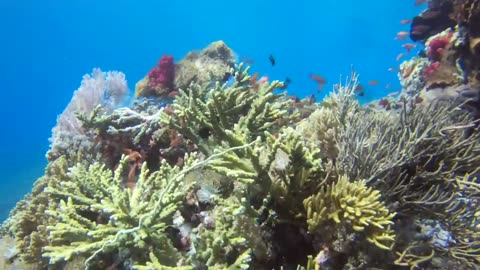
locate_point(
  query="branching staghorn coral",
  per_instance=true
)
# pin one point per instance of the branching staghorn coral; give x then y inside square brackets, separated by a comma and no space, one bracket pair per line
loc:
[288,194]
[354,205]
[322,127]
[146,218]
[284,167]
[95,206]
[294,168]
[230,231]
[414,158]
[125,122]
[28,221]
[461,216]
[235,116]
[242,262]
[205,115]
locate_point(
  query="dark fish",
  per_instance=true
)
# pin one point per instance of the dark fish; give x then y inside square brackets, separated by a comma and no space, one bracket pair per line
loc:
[226,77]
[272,60]
[358,88]
[204,133]
[285,83]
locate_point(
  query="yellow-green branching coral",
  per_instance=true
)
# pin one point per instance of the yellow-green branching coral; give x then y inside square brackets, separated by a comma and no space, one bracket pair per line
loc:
[321,129]
[205,115]
[229,235]
[97,214]
[354,205]
[27,222]
[155,263]
[294,168]
[284,166]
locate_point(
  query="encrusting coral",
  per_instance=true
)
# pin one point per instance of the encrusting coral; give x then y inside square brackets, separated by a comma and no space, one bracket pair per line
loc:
[233,175]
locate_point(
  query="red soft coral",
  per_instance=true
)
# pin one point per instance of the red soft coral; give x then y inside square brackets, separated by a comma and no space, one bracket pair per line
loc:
[163,74]
[431,69]
[436,47]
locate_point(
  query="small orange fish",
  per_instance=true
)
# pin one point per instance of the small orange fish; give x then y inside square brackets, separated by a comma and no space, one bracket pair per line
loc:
[430,14]
[318,79]
[298,105]
[168,110]
[409,46]
[405,21]
[406,72]
[391,69]
[421,28]
[419,2]
[400,38]
[393,94]
[399,56]
[320,87]
[373,82]
[253,79]
[172,94]
[402,34]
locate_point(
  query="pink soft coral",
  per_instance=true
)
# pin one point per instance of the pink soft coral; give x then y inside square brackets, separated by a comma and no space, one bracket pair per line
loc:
[431,69]
[437,46]
[163,74]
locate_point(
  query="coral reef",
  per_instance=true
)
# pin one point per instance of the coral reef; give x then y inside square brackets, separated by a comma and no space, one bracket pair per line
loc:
[198,173]
[449,66]
[354,205]
[212,64]
[107,89]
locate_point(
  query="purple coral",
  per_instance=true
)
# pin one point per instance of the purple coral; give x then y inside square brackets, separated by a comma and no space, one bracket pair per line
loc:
[163,74]
[108,89]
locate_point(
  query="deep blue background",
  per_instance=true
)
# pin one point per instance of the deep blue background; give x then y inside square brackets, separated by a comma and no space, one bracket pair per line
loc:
[46,47]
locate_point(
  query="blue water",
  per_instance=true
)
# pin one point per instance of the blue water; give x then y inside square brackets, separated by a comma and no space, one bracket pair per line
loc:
[46,47]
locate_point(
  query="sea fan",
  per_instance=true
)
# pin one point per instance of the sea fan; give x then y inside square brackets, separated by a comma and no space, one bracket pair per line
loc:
[108,89]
